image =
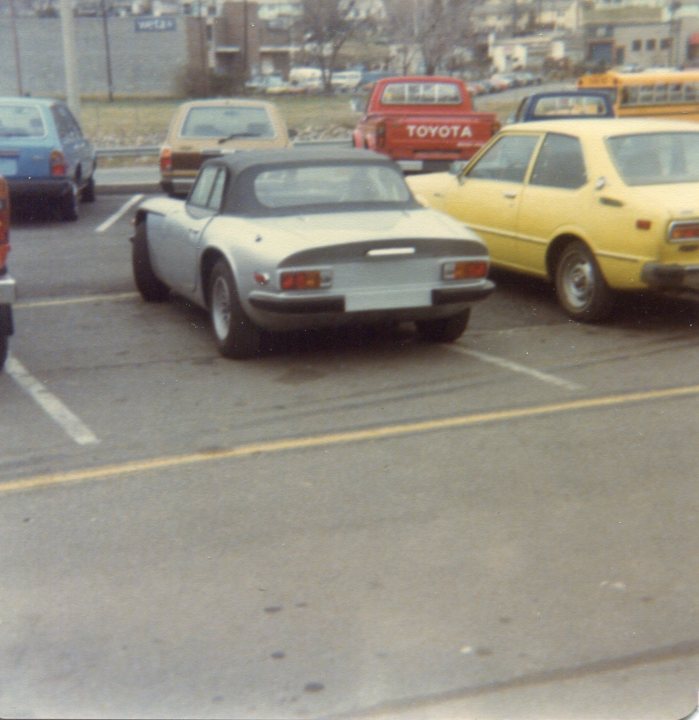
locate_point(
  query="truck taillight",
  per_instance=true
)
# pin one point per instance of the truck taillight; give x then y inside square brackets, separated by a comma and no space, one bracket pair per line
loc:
[4,222]
[380,134]
[165,159]
[57,164]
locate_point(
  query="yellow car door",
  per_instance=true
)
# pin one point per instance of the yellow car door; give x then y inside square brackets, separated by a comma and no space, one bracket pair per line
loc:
[555,197]
[490,193]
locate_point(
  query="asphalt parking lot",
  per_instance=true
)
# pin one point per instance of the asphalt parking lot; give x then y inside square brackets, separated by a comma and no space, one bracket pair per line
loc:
[353,525]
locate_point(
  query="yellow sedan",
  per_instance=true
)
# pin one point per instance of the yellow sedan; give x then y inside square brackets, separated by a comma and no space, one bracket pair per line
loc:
[593,205]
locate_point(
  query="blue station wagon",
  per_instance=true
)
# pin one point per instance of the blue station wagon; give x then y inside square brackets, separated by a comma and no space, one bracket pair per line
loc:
[44,156]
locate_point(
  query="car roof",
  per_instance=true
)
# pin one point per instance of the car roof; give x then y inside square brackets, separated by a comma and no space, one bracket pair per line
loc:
[28,100]
[241,160]
[570,93]
[603,127]
[225,102]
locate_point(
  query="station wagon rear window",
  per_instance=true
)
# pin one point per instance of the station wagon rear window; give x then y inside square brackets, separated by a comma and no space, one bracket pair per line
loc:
[227,122]
[21,121]
[421,93]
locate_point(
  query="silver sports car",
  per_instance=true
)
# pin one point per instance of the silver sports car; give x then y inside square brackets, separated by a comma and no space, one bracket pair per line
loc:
[291,239]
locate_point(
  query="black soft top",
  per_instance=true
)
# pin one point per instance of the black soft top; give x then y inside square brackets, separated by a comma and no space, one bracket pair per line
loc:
[245,165]
[240,160]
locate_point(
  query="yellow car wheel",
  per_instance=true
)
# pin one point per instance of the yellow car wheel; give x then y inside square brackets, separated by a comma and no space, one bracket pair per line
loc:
[580,286]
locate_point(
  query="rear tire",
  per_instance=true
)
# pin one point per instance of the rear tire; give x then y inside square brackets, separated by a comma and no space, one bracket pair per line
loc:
[87,194]
[444,330]
[580,286]
[4,349]
[151,288]
[236,335]
[69,203]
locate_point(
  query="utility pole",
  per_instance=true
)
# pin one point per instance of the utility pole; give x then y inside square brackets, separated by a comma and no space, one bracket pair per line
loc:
[15,37]
[110,82]
[68,33]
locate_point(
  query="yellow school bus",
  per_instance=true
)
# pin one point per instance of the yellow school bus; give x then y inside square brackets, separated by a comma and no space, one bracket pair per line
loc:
[658,93]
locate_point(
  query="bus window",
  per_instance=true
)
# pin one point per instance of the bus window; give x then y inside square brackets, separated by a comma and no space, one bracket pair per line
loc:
[675,92]
[660,94]
[645,94]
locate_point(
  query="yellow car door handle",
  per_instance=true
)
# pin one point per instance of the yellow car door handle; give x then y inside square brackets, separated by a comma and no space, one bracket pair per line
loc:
[510,195]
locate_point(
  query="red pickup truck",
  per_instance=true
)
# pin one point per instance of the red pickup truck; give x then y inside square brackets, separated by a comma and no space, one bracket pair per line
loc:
[424,122]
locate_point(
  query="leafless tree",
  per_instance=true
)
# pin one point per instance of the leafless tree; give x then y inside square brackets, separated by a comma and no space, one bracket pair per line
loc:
[433,28]
[326,25]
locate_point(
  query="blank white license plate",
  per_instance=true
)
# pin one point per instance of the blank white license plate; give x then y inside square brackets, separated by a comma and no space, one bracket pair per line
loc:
[388,299]
[8,166]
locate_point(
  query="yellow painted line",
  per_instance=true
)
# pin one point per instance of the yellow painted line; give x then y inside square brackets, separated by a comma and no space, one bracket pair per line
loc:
[351,436]
[57,302]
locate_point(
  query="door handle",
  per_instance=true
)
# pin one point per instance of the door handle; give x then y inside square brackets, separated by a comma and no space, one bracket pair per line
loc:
[510,195]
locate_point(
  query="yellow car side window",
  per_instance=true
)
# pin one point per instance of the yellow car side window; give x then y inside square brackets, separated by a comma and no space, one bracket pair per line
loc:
[507,160]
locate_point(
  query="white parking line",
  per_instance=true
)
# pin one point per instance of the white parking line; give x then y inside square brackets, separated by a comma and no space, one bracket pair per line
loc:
[119,213]
[82,300]
[50,404]
[515,367]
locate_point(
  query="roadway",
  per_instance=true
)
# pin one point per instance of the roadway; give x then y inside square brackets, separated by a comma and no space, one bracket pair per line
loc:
[353,525]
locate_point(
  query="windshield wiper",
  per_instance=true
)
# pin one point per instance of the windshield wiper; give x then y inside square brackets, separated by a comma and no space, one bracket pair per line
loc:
[235,135]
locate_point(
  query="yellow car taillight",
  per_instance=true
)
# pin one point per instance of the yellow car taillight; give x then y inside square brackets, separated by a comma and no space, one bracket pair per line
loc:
[684,232]
[464,270]
[311,279]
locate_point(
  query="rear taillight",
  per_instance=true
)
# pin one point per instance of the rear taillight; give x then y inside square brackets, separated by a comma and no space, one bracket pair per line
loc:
[683,232]
[165,159]
[4,222]
[311,279]
[464,270]
[57,164]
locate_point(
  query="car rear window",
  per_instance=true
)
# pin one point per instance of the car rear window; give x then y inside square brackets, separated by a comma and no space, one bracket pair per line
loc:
[228,122]
[421,93]
[331,187]
[569,105]
[656,158]
[21,121]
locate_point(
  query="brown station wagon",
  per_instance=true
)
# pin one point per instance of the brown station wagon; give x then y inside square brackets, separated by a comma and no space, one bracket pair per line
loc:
[201,129]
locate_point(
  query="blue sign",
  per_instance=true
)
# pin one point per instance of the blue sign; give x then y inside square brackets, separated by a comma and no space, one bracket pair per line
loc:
[155,24]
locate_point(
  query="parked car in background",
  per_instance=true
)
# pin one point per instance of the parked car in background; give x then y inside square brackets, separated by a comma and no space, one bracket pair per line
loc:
[423,122]
[564,104]
[204,128]
[307,238]
[44,156]
[273,85]
[345,80]
[595,207]
[7,282]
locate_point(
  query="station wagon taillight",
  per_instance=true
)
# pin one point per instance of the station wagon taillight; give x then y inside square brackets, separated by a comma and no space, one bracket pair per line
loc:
[684,232]
[4,222]
[57,164]
[312,279]
[165,159]
[464,270]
